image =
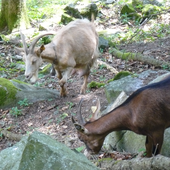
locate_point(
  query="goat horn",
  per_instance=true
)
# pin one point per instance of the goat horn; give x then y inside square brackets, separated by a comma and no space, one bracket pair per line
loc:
[96,114]
[24,43]
[36,40]
[73,121]
[80,118]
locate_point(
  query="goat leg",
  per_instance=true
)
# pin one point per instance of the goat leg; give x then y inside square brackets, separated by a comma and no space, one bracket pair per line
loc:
[63,92]
[64,80]
[149,146]
[84,86]
[157,142]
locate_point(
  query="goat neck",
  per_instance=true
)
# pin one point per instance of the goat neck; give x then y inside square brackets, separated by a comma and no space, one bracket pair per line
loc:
[109,122]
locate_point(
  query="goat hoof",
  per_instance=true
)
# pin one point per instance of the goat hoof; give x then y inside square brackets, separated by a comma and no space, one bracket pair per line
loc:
[63,93]
[82,91]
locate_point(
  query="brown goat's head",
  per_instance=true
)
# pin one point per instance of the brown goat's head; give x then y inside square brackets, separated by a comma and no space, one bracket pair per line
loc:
[32,58]
[92,140]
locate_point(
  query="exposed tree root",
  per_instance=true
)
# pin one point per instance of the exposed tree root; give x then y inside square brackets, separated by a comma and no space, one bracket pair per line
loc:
[139,57]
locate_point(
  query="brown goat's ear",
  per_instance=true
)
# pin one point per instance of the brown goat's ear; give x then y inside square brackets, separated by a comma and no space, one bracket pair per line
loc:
[96,114]
[79,127]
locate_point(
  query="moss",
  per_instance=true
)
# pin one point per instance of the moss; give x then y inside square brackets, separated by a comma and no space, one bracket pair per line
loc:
[18,81]
[7,91]
[150,10]
[65,19]
[2,69]
[120,75]
[94,84]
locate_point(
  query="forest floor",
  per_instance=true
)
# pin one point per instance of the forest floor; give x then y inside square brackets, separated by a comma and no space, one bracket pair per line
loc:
[54,117]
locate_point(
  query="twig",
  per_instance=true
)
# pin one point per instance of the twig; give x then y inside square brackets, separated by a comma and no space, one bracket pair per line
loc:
[155,149]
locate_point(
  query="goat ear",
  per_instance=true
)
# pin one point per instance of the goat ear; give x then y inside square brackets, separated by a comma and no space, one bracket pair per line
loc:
[96,114]
[42,48]
[81,128]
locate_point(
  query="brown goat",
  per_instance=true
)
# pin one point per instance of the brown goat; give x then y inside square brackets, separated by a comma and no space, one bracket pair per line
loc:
[145,112]
[73,49]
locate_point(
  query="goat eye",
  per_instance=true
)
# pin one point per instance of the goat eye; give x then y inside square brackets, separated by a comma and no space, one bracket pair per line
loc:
[34,61]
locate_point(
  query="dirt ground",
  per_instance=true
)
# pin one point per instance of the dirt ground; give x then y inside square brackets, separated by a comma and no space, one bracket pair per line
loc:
[54,117]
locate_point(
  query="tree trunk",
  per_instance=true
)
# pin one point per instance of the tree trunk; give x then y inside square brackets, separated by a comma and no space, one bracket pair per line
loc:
[13,15]
[139,57]
[158,162]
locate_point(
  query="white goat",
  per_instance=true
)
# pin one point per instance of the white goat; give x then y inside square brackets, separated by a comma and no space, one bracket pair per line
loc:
[73,49]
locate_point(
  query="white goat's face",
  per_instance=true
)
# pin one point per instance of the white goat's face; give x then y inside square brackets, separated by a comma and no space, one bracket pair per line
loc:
[32,64]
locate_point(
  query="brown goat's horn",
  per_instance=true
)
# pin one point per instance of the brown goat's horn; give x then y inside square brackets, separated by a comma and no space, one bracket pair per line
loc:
[36,40]
[24,43]
[80,118]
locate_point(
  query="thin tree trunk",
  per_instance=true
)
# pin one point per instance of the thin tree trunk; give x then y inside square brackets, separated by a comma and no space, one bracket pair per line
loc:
[13,15]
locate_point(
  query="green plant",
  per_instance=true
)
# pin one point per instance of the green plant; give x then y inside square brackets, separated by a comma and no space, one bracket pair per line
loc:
[165,67]
[12,65]
[15,112]
[102,66]
[23,102]
[81,148]
[61,117]
[101,50]
[102,78]
[70,104]
[125,19]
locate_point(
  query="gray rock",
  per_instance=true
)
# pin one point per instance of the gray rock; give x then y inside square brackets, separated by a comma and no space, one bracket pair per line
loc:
[40,152]
[103,43]
[129,84]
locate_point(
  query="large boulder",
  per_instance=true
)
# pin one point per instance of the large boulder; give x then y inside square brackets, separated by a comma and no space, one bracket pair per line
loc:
[126,140]
[40,152]
[79,11]
[13,91]
[129,84]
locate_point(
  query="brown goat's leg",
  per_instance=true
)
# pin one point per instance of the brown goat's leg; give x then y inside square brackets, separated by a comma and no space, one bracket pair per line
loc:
[157,143]
[84,86]
[149,146]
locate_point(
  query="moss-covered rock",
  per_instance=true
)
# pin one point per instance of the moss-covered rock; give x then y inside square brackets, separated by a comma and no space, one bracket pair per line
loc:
[72,11]
[7,92]
[40,152]
[149,10]
[13,91]
[65,18]
[129,11]
[88,10]
[46,69]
